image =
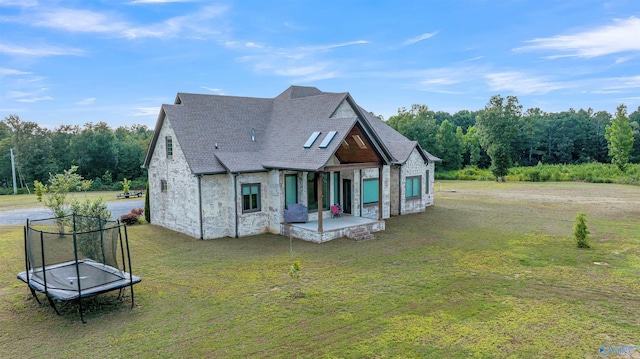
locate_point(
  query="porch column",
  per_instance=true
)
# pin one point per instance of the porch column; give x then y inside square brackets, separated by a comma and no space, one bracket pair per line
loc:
[319,176]
[380,193]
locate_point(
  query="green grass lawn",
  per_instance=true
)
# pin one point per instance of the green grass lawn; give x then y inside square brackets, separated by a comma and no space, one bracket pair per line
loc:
[21,201]
[490,271]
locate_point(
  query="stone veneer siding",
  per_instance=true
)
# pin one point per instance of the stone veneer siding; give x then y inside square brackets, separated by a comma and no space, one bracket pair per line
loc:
[177,208]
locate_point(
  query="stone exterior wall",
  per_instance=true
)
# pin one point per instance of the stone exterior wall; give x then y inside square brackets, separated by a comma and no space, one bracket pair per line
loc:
[414,166]
[177,208]
[217,206]
[255,222]
[344,111]
[430,185]
[371,210]
[394,193]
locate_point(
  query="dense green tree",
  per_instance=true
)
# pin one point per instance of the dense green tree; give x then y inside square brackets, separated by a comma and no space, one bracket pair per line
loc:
[441,116]
[449,148]
[417,124]
[32,149]
[95,150]
[472,149]
[497,128]
[464,119]
[531,136]
[61,140]
[634,121]
[619,135]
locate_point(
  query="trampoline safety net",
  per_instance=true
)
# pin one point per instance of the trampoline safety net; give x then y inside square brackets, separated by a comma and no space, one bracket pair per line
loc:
[73,257]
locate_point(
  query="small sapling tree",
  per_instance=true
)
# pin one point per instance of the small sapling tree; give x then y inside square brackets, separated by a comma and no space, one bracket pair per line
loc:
[40,188]
[125,185]
[294,272]
[580,231]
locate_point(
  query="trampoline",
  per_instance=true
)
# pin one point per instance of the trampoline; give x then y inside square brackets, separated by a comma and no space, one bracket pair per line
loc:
[74,257]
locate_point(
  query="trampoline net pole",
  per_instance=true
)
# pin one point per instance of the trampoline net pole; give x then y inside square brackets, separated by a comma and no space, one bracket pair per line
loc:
[75,253]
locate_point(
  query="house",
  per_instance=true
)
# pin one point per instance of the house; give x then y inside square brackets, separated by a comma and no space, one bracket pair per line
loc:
[226,166]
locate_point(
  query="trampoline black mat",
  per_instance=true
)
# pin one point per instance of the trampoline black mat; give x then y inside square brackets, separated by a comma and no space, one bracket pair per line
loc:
[62,280]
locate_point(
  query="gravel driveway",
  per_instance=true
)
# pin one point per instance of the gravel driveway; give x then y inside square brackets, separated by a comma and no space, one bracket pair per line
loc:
[19,216]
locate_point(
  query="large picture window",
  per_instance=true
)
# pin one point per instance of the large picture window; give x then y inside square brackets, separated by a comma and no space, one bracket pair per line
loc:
[312,191]
[412,187]
[370,191]
[251,197]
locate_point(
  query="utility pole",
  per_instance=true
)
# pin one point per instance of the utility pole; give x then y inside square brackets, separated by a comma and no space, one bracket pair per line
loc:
[13,172]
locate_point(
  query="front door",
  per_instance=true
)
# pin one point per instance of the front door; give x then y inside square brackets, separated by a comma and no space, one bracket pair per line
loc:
[346,195]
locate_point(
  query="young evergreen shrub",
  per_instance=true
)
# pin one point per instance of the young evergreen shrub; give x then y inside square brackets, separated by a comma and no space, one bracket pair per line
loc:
[580,231]
[147,207]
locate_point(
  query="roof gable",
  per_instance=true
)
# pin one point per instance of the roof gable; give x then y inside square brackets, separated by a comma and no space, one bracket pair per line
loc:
[221,134]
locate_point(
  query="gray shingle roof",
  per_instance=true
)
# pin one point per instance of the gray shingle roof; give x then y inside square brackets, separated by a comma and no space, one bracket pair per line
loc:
[280,126]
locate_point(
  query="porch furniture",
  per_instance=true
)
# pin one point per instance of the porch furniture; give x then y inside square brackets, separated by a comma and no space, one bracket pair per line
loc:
[296,213]
[336,209]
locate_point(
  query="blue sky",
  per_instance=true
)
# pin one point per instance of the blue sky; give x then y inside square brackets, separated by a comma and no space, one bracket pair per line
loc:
[73,62]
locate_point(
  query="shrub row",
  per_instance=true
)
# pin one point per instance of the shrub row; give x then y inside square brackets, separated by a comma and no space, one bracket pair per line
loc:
[588,172]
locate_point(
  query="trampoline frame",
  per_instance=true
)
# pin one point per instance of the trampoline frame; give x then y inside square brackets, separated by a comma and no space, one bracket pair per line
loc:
[66,294]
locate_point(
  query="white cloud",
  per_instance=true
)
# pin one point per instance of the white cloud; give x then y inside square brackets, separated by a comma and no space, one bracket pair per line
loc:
[146,111]
[419,38]
[211,89]
[622,36]
[7,72]
[34,99]
[20,3]
[38,51]
[86,101]
[302,63]
[88,21]
[135,2]
[521,83]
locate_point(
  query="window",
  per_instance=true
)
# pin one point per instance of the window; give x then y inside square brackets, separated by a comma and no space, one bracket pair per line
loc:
[370,191]
[290,189]
[163,185]
[251,197]
[412,187]
[312,191]
[169,144]
[426,188]
[336,187]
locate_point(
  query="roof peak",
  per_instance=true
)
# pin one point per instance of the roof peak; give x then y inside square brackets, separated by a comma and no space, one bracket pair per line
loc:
[294,92]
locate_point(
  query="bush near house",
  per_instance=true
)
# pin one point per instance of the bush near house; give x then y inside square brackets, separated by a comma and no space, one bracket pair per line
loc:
[132,217]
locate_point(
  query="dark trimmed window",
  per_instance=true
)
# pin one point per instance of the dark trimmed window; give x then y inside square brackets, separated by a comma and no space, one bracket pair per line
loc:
[426,189]
[169,143]
[412,187]
[370,191]
[312,191]
[250,197]
[290,189]
[336,187]
[163,185]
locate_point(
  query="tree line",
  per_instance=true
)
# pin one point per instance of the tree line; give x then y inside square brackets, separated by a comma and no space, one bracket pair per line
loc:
[502,135]
[100,153]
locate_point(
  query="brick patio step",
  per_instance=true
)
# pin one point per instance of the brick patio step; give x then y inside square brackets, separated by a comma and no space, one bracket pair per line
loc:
[360,234]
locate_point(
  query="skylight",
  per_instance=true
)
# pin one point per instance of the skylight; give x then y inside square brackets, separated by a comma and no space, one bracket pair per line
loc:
[359,141]
[314,136]
[327,140]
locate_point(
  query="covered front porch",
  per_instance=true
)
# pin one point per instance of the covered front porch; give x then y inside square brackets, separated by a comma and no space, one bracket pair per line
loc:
[357,228]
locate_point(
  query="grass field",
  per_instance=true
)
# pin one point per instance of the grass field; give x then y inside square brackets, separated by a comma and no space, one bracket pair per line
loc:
[9,202]
[490,271]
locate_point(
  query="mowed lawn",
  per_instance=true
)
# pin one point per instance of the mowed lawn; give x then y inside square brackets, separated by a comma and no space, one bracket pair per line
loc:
[490,271]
